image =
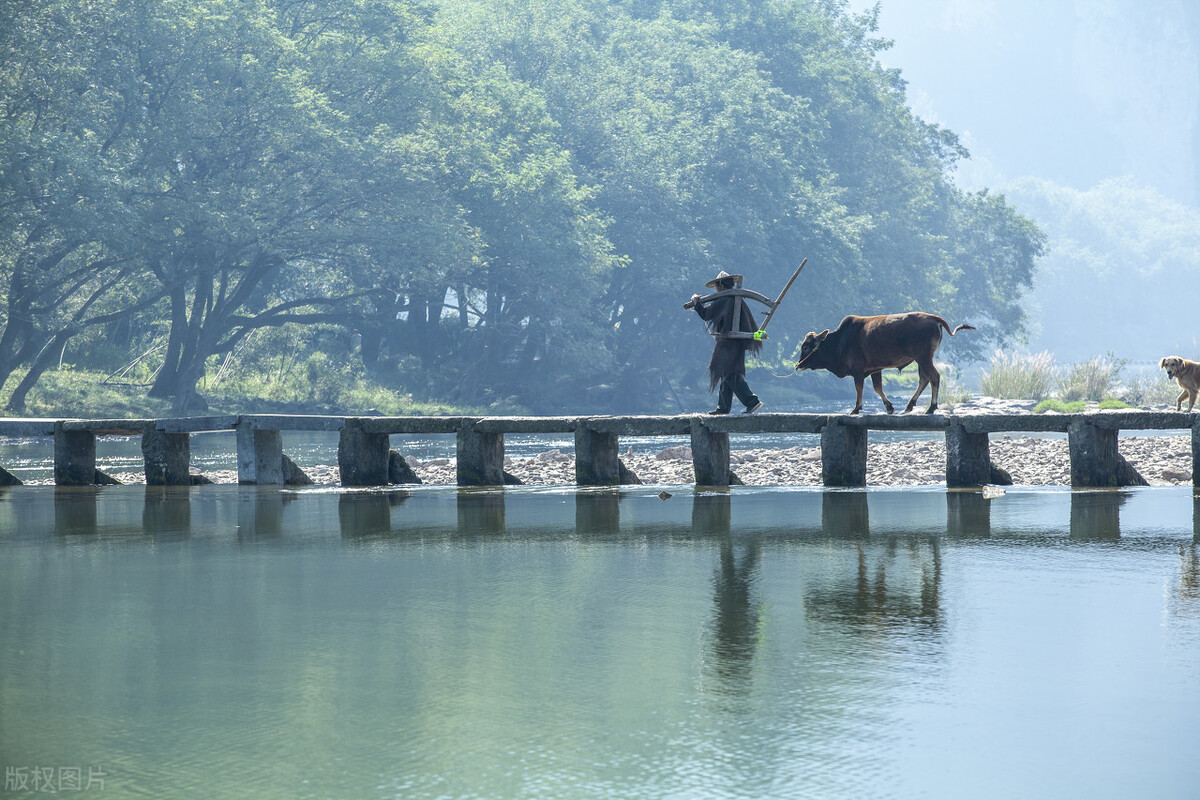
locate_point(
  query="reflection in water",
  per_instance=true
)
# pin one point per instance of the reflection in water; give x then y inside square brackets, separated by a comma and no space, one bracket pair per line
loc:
[900,582]
[481,512]
[75,510]
[259,514]
[367,513]
[734,635]
[881,596]
[711,515]
[728,644]
[597,513]
[844,514]
[968,513]
[1189,572]
[1096,516]
[167,509]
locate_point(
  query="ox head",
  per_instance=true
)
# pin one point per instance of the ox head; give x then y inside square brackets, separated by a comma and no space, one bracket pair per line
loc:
[812,342]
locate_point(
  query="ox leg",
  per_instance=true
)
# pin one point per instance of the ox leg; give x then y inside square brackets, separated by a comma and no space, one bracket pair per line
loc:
[858,387]
[935,380]
[877,384]
[927,375]
[922,382]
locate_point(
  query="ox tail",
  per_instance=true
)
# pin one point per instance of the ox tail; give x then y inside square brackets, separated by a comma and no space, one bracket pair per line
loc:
[946,325]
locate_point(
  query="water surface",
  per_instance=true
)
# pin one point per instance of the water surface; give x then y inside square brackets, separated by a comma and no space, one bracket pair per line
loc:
[228,641]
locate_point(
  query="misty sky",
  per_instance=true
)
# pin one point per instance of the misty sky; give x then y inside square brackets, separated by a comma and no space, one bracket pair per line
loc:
[1074,91]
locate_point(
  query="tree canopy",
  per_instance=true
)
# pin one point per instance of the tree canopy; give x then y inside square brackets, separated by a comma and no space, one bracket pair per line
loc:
[481,202]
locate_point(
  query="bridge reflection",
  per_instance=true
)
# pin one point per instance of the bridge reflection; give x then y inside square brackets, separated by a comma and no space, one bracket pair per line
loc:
[264,513]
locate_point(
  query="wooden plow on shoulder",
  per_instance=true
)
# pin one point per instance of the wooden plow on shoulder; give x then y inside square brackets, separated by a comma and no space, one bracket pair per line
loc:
[738,291]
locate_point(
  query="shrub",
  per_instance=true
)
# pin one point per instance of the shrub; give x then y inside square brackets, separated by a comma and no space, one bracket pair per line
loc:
[1149,389]
[1091,380]
[1019,376]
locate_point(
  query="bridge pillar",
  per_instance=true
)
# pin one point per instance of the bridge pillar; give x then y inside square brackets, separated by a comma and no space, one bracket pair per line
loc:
[259,456]
[968,457]
[363,457]
[480,456]
[1196,455]
[597,462]
[843,455]
[74,457]
[710,454]
[166,457]
[1095,460]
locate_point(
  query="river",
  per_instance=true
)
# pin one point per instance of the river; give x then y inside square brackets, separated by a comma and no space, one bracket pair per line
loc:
[226,641]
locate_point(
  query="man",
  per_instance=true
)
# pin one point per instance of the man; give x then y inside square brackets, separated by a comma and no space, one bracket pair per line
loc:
[727,366]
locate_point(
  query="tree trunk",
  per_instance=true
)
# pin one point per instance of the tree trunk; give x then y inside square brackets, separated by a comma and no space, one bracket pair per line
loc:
[16,402]
[167,378]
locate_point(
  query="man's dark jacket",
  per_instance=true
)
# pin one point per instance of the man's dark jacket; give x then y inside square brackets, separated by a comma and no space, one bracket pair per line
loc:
[729,355]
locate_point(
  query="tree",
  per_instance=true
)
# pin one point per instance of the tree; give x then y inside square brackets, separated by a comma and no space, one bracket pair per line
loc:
[66,256]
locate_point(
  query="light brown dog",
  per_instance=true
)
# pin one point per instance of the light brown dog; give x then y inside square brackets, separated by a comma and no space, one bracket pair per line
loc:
[1187,375]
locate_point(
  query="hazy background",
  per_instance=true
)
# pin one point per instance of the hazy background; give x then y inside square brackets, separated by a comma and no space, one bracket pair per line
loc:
[1084,115]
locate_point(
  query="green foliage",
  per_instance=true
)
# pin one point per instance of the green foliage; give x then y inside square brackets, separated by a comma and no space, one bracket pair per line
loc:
[71,392]
[1060,406]
[1076,406]
[508,202]
[1017,376]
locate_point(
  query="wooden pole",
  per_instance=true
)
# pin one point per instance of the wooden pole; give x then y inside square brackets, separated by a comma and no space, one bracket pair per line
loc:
[779,299]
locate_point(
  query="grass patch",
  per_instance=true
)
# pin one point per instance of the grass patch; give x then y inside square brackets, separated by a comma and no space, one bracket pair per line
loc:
[337,389]
[1076,406]
[1059,406]
[1016,376]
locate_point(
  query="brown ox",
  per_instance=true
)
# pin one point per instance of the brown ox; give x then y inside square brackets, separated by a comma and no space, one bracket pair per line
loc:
[863,346]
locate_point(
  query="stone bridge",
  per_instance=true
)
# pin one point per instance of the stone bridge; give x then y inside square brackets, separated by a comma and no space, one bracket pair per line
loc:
[364,452]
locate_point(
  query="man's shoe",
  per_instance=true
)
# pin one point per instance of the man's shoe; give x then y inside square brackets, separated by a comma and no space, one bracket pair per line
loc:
[753,408]
[718,411]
